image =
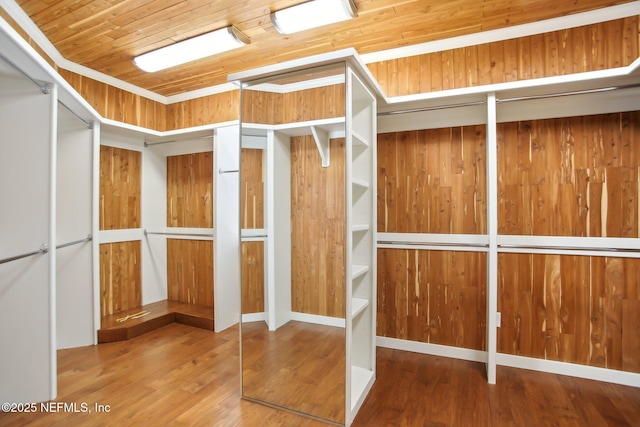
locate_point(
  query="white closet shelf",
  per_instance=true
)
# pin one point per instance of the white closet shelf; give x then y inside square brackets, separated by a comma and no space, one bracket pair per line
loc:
[360,227]
[358,270]
[358,305]
[335,127]
[360,183]
[360,378]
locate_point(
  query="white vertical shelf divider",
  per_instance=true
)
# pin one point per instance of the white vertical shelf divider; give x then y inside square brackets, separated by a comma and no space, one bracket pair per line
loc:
[492,229]
[227,227]
[360,243]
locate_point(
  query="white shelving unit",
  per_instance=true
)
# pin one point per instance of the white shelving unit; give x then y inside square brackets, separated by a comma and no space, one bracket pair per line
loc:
[358,128]
[360,242]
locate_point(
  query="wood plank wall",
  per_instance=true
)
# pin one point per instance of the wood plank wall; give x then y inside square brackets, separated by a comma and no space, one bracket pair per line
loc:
[594,47]
[277,108]
[436,297]
[120,277]
[317,229]
[120,178]
[576,309]
[217,108]
[576,176]
[120,271]
[252,191]
[252,277]
[432,181]
[252,216]
[190,190]
[118,104]
[190,271]
[190,204]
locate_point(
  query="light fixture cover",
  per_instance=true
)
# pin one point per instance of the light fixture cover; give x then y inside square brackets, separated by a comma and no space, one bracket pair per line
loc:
[191,49]
[312,14]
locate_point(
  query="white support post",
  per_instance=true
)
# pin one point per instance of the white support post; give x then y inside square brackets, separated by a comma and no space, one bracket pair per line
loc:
[227,252]
[95,228]
[492,230]
[53,342]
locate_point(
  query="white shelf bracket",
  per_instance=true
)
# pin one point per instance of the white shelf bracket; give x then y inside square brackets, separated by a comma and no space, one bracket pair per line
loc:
[321,137]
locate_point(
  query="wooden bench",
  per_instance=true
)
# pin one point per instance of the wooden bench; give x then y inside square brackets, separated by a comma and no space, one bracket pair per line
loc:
[123,326]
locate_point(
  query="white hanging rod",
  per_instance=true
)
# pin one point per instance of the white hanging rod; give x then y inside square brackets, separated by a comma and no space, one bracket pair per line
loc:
[162,233]
[88,124]
[561,94]
[499,100]
[437,107]
[221,171]
[149,144]
[435,244]
[64,245]
[569,248]
[43,86]
[43,250]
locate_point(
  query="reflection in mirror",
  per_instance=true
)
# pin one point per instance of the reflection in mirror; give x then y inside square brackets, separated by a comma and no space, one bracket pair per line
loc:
[293,228]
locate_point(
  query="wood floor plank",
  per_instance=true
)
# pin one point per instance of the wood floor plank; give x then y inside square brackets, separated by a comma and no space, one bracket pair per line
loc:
[184,376]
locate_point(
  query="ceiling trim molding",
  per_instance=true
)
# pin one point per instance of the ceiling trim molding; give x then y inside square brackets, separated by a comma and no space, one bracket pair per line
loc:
[555,24]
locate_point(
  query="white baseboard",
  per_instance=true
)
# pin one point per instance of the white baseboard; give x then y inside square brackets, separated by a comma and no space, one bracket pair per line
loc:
[571,369]
[318,320]
[433,349]
[549,366]
[254,317]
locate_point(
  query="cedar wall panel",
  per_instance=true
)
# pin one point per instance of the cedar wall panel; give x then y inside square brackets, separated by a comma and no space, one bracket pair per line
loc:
[594,47]
[277,108]
[317,229]
[217,108]
[576,176]
[432,181]
[436,297]
[252,216]
[252,277]
[576,309]
[190,271]
[252,191]
[120,277]
[118,104]
[120,174]
[190,190]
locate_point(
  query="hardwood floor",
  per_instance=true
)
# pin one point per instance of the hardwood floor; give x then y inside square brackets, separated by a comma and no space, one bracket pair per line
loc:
[184,376]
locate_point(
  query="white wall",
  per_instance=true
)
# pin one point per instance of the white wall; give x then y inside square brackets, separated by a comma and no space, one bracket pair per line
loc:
[27,373]
[74,280]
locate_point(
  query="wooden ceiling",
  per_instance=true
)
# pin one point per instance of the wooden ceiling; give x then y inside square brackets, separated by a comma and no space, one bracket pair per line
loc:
[105,35]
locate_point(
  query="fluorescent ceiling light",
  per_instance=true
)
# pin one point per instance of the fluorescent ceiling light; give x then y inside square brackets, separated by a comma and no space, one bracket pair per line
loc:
[313,14]
[189,50]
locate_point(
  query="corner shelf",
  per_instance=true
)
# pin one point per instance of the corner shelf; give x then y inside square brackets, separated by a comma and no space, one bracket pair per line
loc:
[358,139]
[359,228]
[358,270]
[360,183]
[358,305]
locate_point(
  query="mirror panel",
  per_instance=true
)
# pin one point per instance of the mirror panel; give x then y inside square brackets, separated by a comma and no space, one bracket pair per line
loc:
[294,227]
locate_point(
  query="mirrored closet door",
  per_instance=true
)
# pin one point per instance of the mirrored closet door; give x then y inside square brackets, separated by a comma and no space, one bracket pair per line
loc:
[308,255]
